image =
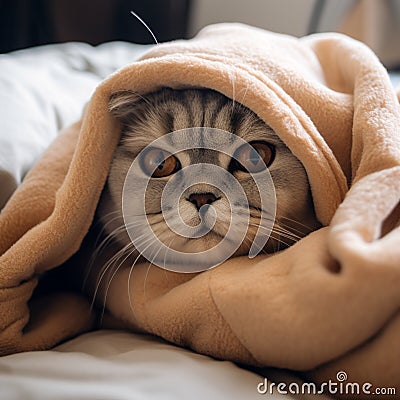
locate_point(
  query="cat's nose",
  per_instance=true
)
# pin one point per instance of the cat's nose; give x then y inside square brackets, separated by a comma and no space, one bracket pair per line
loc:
[200,199]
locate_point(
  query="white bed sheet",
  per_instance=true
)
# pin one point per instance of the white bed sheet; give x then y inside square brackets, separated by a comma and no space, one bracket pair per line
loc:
[114,365]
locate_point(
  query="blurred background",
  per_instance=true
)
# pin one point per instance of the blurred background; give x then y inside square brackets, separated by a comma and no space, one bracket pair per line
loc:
[27,23]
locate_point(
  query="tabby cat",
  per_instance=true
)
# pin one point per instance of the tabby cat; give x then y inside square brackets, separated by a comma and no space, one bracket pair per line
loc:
[146,118]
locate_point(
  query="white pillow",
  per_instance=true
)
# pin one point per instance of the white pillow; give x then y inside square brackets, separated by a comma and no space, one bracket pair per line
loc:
[42,90]
[395,78]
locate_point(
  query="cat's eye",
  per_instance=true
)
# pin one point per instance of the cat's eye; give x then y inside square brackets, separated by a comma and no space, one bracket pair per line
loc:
[159,163]
[253,158]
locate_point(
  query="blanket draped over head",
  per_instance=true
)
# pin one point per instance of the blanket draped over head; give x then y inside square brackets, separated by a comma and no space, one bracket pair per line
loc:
[331,302]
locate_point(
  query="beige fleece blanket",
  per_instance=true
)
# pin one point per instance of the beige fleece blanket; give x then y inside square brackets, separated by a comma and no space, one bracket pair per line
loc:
[329,303]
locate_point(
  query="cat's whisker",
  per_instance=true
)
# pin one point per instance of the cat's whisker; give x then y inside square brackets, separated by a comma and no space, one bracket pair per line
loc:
[307,227]
[127,250]
[265,215]
[104,227]
[294,231]
[247,241]
[95,254]
[145,25]
[168,249]
[100,248]
[286,235]
[232,79]
[280,232]
[276,245]
[108,238]
[289,230]
[129,253]
[117,231]
[275,233]
[130,274]
[152,258]
[100,221]
[111,260]
[105,269]
[286,232]
[279,240]
[245,93]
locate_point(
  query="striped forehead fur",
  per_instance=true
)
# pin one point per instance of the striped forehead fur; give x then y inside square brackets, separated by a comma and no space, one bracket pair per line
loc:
[147,118]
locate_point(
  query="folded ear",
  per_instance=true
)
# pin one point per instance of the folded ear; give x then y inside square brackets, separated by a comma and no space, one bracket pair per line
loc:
[122,104]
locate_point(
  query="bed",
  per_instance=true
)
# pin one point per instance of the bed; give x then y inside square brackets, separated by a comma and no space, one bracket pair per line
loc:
[43,90]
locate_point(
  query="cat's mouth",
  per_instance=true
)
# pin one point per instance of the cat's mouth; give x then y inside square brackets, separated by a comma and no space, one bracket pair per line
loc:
[206,228]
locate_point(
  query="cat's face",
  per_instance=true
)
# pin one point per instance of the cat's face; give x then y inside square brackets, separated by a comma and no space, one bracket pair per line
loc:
[146,119]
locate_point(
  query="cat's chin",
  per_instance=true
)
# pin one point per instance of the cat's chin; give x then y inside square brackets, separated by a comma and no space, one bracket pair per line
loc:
[210,241]
[197,245]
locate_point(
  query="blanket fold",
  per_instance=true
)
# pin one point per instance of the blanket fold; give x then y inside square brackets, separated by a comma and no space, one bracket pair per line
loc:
[328,303]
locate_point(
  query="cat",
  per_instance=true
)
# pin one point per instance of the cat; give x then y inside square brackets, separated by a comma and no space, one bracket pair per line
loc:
[146,118]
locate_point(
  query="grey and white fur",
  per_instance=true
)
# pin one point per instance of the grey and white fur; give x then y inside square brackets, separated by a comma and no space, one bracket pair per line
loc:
[146,118]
